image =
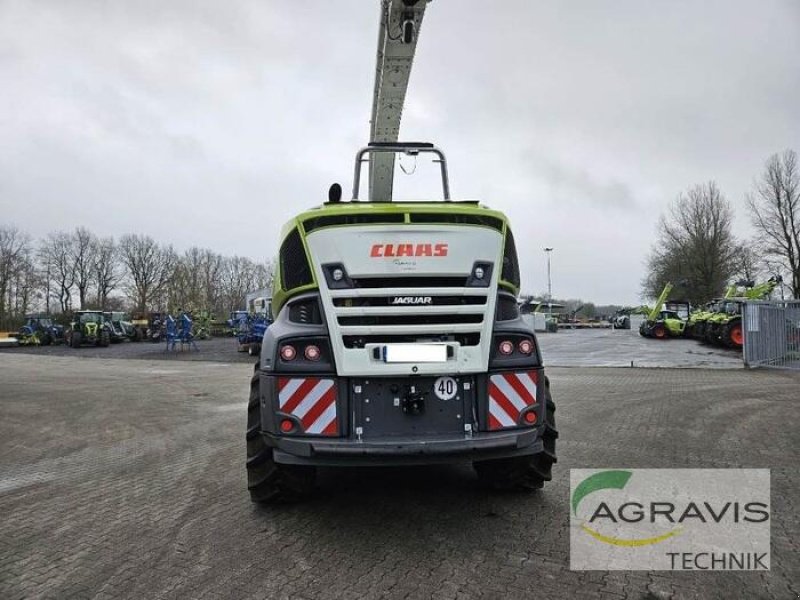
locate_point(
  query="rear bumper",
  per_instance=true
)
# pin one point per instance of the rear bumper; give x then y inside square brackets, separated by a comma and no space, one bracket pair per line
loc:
[405,451]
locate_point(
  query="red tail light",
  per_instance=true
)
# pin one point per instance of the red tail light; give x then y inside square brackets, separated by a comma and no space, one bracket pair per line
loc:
[525,347]
[506,347]
[288,353]
[286,426]
[312,352]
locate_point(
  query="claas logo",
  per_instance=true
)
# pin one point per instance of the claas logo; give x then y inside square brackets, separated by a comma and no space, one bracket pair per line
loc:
[400,250]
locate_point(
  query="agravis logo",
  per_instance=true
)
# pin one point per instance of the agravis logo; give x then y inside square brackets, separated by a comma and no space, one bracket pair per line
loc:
[613,480]
[714,519]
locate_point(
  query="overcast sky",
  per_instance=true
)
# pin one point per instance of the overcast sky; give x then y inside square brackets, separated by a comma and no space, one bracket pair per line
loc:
[212,123]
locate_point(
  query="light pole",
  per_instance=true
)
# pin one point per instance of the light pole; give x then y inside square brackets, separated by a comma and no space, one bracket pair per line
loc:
[549,284]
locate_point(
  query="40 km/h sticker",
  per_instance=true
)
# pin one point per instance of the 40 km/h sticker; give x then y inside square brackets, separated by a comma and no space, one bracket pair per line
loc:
[445,388]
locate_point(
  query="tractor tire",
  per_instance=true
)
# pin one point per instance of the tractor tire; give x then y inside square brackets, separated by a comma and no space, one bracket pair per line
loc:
[268,481]
[137,335]
[75,339]
[104,339]
[698,331]
[659,332]
[525,473]
[47,339]
[254,349]
[732,334]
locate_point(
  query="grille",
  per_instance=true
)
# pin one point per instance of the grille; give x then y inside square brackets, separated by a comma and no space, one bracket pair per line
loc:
[409,320]
[355,219]
[359,341]
[408,282]
[510,263]
[305,311]
[295,270]
[507,308]
[449,219]
[390,301]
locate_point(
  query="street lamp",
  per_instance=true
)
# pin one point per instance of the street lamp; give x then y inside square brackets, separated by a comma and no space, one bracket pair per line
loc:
[549,284]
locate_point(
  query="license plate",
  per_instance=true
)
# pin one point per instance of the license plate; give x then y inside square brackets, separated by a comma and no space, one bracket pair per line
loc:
[415,353]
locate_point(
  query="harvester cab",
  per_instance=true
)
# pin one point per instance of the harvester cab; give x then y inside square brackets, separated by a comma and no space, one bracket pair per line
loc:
[89,327]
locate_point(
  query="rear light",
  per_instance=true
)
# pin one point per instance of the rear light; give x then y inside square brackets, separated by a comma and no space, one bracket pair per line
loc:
[506,347]
[530,418]
[288,353]
[312,352]
[525,347]
[287,425]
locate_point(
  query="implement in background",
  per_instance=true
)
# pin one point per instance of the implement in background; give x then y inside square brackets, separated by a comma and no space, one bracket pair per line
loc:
[772,334]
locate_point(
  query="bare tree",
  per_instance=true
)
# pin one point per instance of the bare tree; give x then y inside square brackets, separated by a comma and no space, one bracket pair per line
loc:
[211,272]
[14,251]
[748,263]
[106,270]
[696,249]
[775,211]
[149,267]
[56,256]
[84,250]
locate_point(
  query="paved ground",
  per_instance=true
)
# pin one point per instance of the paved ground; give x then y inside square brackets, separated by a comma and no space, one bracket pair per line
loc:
[126,479]
[625,348]
[219,349]
[567,348]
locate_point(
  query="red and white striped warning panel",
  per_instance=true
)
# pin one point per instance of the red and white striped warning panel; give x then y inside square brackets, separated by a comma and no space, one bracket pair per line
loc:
[509,395]
[312,400]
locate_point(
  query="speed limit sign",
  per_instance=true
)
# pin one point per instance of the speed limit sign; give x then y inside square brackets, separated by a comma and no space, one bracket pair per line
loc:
[445,388]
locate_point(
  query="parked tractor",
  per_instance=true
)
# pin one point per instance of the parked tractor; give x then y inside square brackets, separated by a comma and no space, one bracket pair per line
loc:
[724,327]
[88,327]
[666,319]
[120,328]
[40,330]
[696,324]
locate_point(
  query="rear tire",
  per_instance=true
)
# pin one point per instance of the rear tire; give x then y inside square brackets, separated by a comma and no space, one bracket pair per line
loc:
[104,340]
[75,339]
[525,473]
[267,480]
[659,332]
[732,335]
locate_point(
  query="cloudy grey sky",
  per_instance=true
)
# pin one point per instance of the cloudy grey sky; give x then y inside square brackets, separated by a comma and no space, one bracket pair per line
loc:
[211,123]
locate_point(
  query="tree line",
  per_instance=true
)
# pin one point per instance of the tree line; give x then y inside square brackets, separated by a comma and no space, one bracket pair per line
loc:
[697,251]
[66,271]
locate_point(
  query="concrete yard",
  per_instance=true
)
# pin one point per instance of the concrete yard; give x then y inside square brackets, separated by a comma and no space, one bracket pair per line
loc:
[125,479]
[567,348]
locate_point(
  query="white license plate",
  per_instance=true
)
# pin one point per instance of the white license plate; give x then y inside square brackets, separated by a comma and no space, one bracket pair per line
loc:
[415,353]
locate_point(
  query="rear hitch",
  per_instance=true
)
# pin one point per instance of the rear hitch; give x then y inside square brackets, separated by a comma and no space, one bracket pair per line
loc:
[413,402]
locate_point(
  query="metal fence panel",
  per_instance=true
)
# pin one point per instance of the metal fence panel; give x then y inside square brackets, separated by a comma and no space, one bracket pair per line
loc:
[772,334]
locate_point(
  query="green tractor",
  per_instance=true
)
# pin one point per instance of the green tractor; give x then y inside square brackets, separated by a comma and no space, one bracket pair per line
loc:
[665,319]
[696,324]
[724,327]
[88,327]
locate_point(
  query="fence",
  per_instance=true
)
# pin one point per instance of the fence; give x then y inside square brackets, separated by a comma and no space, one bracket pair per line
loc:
[772,334]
